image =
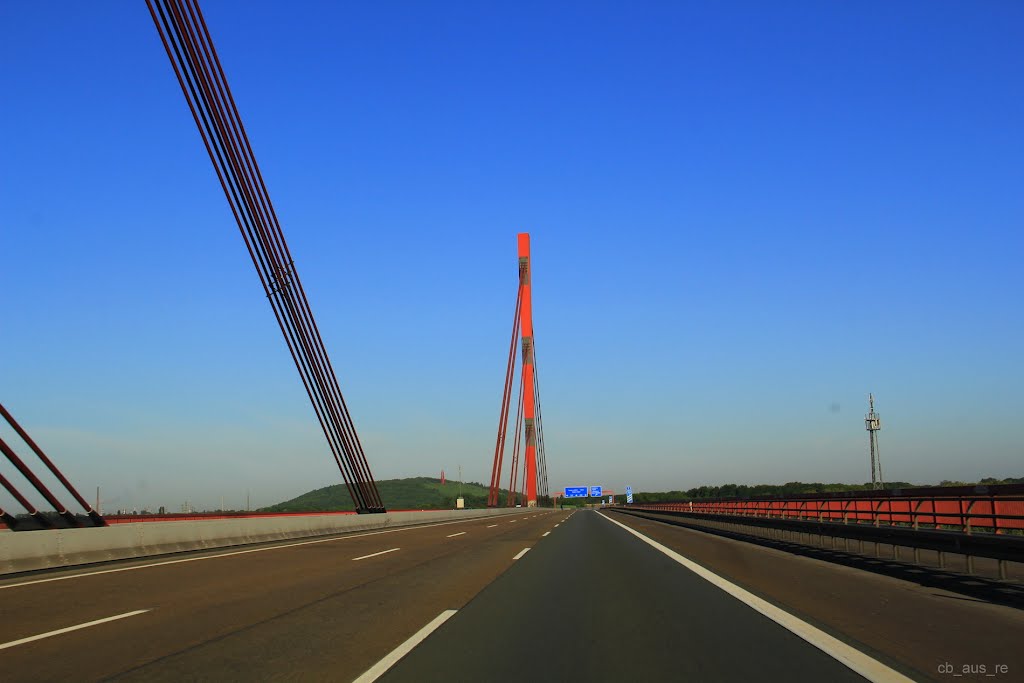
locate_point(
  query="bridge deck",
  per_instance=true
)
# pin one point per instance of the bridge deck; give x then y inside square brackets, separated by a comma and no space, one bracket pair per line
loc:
[588,599]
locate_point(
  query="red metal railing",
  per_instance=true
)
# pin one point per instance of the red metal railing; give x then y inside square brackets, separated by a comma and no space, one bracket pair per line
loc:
[992,513]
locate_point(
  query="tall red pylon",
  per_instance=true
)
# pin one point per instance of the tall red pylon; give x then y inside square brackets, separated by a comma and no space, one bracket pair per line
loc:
[529,399]
[529,432]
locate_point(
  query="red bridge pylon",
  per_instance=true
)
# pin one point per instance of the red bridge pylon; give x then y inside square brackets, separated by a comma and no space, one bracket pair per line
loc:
[528,415]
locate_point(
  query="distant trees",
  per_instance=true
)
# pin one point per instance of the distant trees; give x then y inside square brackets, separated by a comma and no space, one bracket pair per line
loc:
[427,493]
[787,489]
[991,480]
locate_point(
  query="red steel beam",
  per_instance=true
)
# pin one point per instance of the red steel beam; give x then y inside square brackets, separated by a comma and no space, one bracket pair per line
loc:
[529,399]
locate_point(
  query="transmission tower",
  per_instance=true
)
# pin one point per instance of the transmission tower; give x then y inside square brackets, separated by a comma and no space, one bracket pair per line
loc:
[873,422]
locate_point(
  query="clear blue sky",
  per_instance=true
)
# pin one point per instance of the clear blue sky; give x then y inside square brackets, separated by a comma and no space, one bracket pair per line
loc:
[745,217]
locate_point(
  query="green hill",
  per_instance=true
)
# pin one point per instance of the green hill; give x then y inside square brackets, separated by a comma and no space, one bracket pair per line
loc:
[417,493]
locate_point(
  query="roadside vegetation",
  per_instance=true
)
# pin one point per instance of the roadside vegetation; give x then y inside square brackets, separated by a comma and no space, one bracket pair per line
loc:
[788,489]
[416,493]
[428,493]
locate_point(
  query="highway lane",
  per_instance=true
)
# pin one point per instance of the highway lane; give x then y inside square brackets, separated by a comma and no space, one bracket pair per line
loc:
[324,609]
[912,625]
[593,602]
[529,592]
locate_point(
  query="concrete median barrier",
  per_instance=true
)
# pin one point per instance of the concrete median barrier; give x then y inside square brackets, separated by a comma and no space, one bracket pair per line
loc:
[49,549]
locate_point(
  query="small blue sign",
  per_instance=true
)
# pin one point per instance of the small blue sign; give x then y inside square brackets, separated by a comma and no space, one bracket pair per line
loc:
[575,491]
[595,491]
[629,495]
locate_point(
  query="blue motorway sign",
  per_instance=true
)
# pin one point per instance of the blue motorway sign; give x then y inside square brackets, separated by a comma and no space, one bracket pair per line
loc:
[595,491]
[575,491]
[629,494]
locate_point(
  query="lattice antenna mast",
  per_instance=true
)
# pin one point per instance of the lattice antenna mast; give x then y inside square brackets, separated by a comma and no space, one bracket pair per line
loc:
[873,423]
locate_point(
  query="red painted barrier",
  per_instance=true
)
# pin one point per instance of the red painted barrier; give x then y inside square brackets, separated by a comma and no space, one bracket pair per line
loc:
[965,512]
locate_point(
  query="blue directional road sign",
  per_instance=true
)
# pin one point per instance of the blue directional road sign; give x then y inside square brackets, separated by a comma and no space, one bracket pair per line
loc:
[575,491]
[595,491]
[629,494]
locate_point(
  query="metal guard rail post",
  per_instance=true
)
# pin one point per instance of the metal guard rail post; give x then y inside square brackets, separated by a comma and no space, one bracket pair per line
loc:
[970,525]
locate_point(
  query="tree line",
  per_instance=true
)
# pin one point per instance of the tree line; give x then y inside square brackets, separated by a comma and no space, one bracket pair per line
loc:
[787,489]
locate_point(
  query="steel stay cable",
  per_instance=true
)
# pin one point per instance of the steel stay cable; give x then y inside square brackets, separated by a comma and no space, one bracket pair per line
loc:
[173,52]
[499,446]
[39,485]
[246,220]
[516,442]
[10,520]
[274,244]
[281,290]
[220,88]
[542,469]
[96,517]
[262,244]
[29,507]
[360,453]
[522,486]
[285,269]
[243,218]
[502,419]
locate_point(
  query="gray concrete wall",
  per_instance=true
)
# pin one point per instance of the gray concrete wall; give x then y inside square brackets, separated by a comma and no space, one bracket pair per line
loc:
[32,550]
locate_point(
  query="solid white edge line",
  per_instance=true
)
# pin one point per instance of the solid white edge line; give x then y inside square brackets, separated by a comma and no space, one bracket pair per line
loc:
[378,669]
[521,553]
[332,539]
[454,535]
[545,533]
[59,631]
[852,658]
[382,552]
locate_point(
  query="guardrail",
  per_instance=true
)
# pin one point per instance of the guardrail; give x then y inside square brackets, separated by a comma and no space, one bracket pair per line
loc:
[978,525]
[997,514]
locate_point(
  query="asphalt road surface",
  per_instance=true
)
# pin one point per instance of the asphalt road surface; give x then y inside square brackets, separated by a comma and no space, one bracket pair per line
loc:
[542,595]
[604,606]
[302,611]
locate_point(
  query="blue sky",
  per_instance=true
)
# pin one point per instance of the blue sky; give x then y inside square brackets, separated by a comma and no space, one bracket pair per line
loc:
[744,214]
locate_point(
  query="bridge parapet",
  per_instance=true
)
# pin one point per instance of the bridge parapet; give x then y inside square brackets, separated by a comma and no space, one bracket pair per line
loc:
[990,526]
[34,550]
[998,510]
